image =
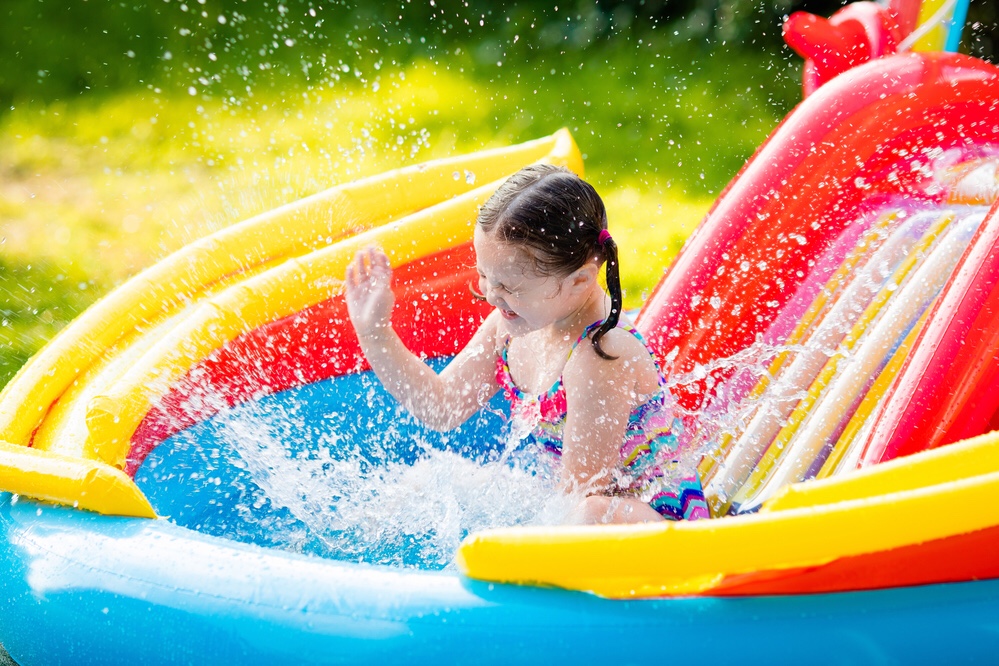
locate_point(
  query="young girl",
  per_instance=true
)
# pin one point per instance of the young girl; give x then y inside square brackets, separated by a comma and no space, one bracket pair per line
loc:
[540,242]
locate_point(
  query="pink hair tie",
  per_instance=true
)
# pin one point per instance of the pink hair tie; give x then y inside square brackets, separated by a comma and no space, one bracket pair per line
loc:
[603,237]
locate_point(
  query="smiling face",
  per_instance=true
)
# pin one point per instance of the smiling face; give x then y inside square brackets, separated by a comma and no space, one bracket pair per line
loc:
[526,300]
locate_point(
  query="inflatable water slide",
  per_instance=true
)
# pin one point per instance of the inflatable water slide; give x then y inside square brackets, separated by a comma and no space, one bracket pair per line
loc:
[830,333]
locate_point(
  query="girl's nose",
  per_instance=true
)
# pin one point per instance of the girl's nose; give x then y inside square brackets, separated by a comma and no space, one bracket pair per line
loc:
[492,297]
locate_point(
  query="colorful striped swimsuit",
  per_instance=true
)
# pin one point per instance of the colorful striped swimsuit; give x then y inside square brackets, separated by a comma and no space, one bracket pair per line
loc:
[651,468]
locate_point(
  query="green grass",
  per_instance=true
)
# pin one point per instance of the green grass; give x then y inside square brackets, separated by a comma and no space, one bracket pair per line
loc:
[96,189]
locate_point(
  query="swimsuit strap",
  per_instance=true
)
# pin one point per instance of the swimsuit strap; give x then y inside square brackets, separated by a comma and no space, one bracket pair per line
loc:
[659,370]
[582,336]
[506,377]
[503,374]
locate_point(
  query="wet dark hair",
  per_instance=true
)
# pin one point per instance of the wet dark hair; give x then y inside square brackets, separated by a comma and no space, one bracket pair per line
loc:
[557,217]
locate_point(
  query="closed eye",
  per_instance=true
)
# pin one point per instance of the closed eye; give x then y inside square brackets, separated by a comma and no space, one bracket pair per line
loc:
[499,286]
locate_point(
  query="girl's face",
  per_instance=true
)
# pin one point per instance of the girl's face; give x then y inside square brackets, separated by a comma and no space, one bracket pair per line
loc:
[526,300]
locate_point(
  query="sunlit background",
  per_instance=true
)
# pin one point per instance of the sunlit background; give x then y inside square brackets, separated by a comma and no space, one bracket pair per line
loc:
[128,129]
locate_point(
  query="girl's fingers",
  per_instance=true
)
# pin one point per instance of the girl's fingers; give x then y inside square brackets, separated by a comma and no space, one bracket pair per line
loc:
[362,265]
[356,269]
[381,268]
[369,263]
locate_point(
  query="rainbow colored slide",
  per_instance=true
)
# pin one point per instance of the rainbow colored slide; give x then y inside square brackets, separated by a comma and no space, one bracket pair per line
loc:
[830,333]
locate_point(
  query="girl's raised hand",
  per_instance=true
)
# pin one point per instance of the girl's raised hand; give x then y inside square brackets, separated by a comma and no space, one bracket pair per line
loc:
[369,292]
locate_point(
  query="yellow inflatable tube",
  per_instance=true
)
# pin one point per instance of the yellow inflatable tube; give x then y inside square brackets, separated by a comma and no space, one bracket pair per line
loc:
[81,483]
[692,557]
[257,295]
[289,230]
[64,429]
[979,455]
[113,416]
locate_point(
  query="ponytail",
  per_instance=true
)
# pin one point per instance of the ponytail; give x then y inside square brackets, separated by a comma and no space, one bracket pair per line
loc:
[613,270]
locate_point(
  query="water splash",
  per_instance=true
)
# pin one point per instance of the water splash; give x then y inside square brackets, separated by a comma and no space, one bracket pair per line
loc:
[288,472]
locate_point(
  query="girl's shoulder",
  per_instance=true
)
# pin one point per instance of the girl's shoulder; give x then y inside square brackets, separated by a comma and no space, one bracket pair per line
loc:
[633,361]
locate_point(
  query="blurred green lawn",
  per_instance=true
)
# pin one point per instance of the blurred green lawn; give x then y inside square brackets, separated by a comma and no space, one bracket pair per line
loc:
[95,189]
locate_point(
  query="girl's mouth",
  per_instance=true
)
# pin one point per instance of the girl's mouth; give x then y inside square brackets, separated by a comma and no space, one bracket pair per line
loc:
[507,314]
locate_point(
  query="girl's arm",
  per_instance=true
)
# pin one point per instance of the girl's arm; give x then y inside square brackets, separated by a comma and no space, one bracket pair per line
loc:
[441,402]
[600,395]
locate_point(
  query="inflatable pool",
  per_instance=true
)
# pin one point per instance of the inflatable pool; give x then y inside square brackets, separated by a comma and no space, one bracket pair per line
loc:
[830,335]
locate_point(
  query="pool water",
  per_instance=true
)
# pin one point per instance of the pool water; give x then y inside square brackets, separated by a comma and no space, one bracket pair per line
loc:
[338,469]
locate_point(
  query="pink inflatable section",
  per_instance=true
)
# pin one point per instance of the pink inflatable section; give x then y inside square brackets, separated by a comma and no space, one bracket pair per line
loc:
[943,394]
[882,135]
